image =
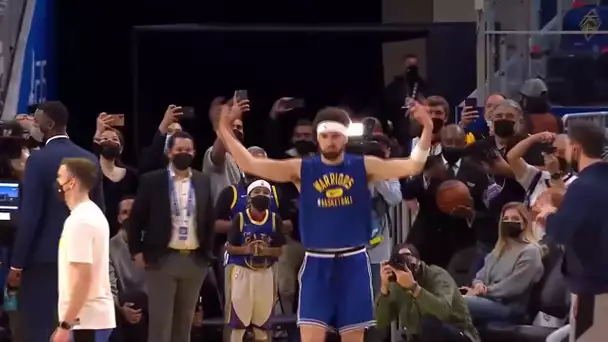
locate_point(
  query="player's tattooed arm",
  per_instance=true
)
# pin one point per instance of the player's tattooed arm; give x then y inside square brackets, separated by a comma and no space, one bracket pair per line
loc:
[271,169]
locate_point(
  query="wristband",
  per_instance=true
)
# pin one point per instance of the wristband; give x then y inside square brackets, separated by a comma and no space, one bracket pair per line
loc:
[419,155]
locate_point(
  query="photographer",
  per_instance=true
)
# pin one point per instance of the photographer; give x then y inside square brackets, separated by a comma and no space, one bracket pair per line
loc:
[425,299]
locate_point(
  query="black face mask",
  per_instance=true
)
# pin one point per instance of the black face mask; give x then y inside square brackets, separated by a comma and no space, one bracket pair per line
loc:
[260,202]
[109,150]
[437,125]
[411,73]
[238,135]
[451,154]
[512,229]
[504,128]
[60,191]
[304,147]
[182,161]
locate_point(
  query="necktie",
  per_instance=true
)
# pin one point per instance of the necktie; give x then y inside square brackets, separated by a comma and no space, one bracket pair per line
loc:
[451,172]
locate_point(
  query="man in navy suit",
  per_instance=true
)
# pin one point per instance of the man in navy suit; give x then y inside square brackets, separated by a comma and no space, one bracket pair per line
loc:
[42,212]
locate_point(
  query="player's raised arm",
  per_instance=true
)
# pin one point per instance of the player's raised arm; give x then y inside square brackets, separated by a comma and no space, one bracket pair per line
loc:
[271,169]
[385,169]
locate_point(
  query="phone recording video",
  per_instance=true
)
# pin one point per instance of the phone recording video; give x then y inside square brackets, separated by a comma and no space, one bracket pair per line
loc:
[470,102]
[188,112]
[118,120]
[294,103]
[241,95]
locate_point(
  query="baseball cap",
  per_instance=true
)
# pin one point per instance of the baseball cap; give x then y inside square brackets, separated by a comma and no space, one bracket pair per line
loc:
[533,87]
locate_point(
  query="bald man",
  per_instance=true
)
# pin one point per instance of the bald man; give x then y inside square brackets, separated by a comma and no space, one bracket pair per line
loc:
[437,245]
[535,180]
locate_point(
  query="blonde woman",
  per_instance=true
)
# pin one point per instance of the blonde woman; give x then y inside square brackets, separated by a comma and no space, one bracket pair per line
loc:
[501,289]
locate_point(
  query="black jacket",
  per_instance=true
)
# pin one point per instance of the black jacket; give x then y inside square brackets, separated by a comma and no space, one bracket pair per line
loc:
[150,225]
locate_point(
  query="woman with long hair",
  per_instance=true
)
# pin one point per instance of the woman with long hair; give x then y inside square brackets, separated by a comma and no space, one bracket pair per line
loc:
[501,289]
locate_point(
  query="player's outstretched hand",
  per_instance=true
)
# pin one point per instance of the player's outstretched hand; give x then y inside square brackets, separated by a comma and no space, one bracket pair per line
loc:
[422,114]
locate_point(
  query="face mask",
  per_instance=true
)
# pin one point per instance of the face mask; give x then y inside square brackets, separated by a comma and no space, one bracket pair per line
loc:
[504,128]
[304,147]
[60,190]
[238,134]
[109,150]
[412,73]
[182,161]
[512,229]
[451,154]
[260,202]
[437,125]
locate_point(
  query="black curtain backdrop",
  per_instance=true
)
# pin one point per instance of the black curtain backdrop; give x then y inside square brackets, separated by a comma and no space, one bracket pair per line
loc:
[94,39]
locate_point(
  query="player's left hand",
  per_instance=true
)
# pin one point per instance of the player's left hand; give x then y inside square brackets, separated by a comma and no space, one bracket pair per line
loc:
[405,279]
[60,335]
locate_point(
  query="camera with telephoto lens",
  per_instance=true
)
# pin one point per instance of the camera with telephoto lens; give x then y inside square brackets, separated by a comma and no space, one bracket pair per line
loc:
[365,144]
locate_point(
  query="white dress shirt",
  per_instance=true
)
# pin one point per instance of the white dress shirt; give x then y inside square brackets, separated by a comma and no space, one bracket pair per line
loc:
[182,187]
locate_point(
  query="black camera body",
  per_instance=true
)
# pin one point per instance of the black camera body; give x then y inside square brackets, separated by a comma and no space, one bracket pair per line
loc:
[364,144]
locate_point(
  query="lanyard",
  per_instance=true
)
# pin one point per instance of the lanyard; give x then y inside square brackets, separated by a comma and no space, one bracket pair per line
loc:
[175,208]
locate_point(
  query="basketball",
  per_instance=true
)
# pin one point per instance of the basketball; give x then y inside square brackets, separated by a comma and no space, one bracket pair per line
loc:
[451,194]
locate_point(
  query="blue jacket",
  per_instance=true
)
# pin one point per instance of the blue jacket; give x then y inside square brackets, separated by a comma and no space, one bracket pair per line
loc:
[42,213]
[581,225]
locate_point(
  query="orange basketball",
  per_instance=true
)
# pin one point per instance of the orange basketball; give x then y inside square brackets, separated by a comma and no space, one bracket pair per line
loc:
[451,194]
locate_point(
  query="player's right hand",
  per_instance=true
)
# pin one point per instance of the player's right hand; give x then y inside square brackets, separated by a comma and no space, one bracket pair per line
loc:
[469,114]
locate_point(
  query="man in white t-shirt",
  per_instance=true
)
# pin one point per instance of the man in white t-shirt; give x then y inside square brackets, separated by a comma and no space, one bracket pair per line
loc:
[86,306]
[535,181]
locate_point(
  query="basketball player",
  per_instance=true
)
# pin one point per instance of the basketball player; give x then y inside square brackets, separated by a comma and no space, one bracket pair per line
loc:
[86,306]
[254,244]
[335,217]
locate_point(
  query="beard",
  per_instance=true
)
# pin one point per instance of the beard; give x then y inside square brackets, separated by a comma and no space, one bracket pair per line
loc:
[332,155]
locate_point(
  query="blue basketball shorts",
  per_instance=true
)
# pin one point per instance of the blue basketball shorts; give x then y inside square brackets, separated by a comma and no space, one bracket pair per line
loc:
[336,291]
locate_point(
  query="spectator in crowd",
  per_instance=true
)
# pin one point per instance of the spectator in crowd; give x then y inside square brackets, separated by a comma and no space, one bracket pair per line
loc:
[536,107]
[130,296]
[154,157]
[501,290]
[470,114]
[424,298]
[437,244]
[119,180]
[86,309]
[217,162]
[409,84]
[491,153]
[254,244]
[302,141]
[175,209]
[537,182]
[580,225]
[385,195]
[34,258]
[440,112]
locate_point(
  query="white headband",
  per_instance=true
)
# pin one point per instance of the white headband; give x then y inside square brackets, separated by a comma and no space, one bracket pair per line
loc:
[331,126]
[260,183]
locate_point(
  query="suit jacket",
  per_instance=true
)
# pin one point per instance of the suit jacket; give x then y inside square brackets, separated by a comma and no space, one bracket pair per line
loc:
[150,226]
[42,212]
[443,233]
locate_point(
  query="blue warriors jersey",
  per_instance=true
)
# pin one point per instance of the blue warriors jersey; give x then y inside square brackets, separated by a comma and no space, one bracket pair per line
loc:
[239,201]
[335,204]
[252,230]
